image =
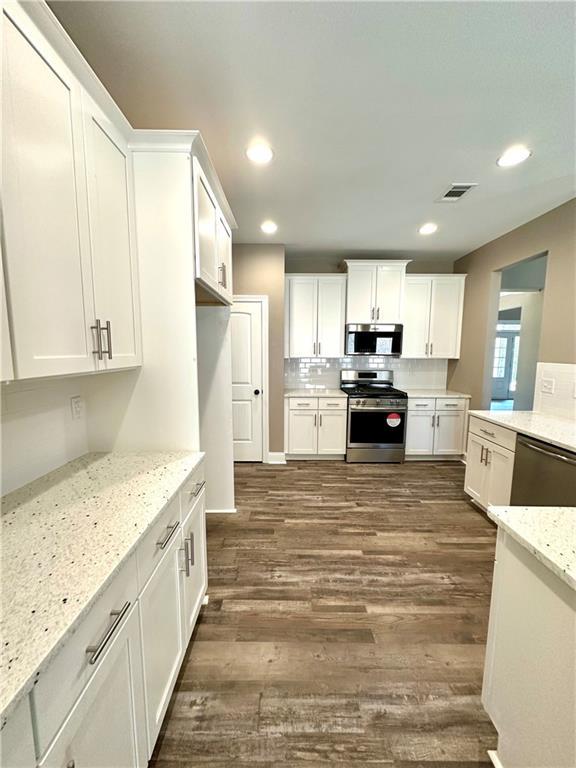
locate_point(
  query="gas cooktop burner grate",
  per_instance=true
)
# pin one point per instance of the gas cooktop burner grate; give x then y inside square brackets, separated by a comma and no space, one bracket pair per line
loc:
[373,390]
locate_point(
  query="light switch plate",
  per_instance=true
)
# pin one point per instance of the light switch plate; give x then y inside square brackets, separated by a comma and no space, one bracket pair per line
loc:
[547,386]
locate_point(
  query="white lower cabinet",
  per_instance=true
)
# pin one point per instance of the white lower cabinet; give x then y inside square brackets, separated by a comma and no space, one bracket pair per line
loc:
[332,432]
[17,738]
[106,726]
[489,469]
[162,636]
[194,573]
[303,432]
[435,427]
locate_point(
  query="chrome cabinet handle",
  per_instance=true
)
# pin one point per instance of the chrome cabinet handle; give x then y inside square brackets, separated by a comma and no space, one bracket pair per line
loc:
[433,420]
[438,420]
[488,454]
[197,488]
[332,405]
[421,405]
[97,650]
[549,453]
[378,314]
[315,419]
[224,276]
[108,330]
[426,349]
[191,557]
[98,351]
[486,432]
[304,405]
[481,454]
[431,346]
[170,530]
[320,419]
[186,568]
[221,275]
[319,347]
[450,405]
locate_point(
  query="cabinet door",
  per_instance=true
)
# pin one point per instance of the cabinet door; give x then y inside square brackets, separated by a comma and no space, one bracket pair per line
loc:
[47,249]
[303,432]
[475,477]
[194,573]
[499,469]
[6,365]
[332,432]
[331,309]
[361,294]
[446,316]
[17,739]
[418,292]
[420,433]
[162,646]
[114,263]
[224,257]
[449,433]
[389,293]
[303,316]
[205,217]
[106,726]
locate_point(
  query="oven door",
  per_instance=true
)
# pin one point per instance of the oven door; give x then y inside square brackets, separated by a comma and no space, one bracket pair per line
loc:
[376,428]
[384,340]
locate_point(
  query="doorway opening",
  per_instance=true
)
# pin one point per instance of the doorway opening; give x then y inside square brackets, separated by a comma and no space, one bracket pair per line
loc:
[517,336]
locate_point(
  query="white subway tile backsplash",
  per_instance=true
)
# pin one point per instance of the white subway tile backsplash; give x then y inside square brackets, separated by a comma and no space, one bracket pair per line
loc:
[319,371]
[555,389]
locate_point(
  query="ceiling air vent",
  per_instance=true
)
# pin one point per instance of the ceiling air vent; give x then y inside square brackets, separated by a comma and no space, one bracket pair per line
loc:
[456,191]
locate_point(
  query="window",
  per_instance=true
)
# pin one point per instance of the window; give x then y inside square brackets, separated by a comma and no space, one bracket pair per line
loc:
[500,348]
[514,373]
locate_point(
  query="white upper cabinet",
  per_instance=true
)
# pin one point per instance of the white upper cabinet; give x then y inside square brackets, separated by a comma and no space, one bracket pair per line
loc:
[375,291]
[212,239]
[47,254]
[70,256]
[446,309]
[315,315]
[114,266]
[224,257]
[433,316]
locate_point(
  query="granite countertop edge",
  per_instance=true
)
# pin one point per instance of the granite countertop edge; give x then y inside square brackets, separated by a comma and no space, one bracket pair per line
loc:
[555,430]
[501,516]
[18,693]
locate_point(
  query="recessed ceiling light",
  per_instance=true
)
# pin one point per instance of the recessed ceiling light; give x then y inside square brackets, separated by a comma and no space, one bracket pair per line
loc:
[428,229]
[259,152]
[269,227]
[514,156]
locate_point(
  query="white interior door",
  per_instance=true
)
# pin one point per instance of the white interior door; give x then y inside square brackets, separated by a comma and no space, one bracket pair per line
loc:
[247,378]
[331,306]
[416,317]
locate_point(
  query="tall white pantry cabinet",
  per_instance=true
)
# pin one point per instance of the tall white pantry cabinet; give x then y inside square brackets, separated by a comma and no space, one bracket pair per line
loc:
[71,278]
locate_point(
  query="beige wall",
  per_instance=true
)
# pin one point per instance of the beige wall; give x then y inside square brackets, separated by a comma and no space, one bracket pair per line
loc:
[259,269]
[555,233]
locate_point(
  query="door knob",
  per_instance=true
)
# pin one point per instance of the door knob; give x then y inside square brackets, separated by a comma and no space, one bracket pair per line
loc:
[256,391]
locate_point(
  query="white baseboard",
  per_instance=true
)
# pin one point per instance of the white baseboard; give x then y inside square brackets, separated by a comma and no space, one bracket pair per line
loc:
[221,511]
[276,458]
[433,458]
[496,762]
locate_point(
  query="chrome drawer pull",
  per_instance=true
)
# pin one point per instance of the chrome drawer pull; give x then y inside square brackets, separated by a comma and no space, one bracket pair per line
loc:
[109,335]
[191,549]
[197,488]
[451,405]
[170,530]
[97,650]
[421,405]
[98,351]
[186,568]
[304,405]
[486,432]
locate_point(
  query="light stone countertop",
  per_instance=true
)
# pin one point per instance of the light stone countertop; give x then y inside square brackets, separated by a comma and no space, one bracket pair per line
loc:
[412,392]
[314,392]
[550,429]
[64,536]
[549,533]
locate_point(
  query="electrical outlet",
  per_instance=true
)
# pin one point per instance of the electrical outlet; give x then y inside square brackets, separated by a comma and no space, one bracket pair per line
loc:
[547,386]
[77,407]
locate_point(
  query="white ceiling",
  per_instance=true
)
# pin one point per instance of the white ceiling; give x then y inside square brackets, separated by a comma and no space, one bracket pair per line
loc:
[372,109]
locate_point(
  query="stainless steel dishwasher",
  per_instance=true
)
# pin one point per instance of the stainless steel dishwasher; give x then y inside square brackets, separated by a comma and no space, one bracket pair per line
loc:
[544,476]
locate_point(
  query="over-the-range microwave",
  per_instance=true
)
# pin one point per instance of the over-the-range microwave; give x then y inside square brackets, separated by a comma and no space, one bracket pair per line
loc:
[374,340]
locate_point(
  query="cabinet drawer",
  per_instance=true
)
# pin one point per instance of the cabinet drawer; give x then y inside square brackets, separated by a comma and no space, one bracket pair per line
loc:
[333,403]
[64,680]
[494,432]
[191,491]
[450,403]
[154,543]
[303,403]
[421,404]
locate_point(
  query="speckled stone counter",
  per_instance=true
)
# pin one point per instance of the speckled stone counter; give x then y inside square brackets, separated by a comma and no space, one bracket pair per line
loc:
[412,392]
[314,392]
[549,533]
[63,538]
[549,429]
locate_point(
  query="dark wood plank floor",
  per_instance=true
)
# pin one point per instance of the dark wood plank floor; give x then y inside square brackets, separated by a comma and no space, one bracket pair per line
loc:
[346,624]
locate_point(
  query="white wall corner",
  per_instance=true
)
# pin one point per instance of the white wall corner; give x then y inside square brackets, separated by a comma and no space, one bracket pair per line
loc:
[231,511]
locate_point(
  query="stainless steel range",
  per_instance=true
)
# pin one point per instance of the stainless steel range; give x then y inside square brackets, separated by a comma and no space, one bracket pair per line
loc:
[376,417]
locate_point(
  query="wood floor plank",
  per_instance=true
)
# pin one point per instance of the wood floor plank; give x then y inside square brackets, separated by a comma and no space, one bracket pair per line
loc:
[346,624]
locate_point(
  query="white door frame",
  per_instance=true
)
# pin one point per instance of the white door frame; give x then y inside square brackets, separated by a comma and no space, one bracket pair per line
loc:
[263,301]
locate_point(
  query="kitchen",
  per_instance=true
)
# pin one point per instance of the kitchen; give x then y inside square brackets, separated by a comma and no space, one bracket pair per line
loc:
[263,503]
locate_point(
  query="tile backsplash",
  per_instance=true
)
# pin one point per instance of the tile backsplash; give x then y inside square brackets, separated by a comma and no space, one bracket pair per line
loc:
[555,389]
[305,372]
